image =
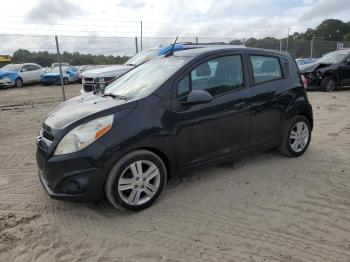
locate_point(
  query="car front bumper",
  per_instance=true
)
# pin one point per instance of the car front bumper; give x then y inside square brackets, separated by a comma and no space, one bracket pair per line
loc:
[6,82]
[79,176]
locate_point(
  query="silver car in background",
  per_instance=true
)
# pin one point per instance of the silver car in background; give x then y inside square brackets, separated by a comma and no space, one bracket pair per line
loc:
[19,74]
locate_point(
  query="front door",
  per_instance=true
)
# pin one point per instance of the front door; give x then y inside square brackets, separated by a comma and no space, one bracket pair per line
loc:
[220,127]
[26,74]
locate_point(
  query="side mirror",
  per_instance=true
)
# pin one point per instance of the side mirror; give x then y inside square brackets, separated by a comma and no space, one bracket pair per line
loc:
[198,97]
[347,61]
[23,70]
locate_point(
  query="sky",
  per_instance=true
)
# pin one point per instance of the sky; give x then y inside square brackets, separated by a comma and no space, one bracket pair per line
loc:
[232,19]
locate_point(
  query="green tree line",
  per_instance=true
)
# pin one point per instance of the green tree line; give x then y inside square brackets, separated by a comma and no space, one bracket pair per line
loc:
[45,58]
[325,38]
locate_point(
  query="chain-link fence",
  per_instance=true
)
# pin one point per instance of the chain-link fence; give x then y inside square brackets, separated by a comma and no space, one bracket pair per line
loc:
[80,50]
[95,50]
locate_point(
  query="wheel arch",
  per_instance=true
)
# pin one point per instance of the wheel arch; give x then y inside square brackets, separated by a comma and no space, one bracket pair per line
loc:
[302,108]
[162,156]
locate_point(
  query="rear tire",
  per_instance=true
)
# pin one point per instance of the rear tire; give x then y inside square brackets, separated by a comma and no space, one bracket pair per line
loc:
[328,84]
[136,180]
[18,83]
[296,137]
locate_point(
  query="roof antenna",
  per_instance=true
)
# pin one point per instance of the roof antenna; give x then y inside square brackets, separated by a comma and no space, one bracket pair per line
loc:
[171,50]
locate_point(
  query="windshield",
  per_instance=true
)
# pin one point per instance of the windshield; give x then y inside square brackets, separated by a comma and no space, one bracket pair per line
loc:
[143,80]
[11,67]
[142,57]
[333,58]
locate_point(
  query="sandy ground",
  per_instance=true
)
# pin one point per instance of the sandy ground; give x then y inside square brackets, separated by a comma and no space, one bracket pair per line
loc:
[261,208]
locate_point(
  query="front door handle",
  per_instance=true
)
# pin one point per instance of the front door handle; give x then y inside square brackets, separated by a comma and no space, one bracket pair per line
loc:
[239,106]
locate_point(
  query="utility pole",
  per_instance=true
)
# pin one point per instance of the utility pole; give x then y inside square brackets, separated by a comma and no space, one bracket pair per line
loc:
[60,67]
[141,37]
[287,39]
[280,44]
[136,45]
[312,47]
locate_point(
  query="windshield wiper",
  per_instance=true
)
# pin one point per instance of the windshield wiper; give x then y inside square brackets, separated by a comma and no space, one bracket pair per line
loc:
[130,64]
[115,96]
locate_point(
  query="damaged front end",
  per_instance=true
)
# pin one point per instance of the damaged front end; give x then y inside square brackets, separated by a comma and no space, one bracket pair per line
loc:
[7,79]
[314,73]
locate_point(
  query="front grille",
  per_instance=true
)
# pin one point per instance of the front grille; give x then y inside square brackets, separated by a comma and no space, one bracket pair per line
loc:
[47,136]
[88,79]
[89,88]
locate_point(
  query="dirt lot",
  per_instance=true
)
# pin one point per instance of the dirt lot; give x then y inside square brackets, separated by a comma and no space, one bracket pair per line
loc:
[260,208]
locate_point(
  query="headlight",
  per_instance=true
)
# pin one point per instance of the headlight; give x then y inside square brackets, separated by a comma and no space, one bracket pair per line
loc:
[106,79]
[83,135]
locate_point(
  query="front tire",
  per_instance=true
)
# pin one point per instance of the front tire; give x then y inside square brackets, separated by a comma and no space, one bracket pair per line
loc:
[65,81]
[296,137]
[328,84]
[18,83]
[136,180]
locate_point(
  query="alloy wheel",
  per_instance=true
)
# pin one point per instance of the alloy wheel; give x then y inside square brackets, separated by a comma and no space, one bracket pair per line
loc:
[299,137]
[139,182]
[330,86]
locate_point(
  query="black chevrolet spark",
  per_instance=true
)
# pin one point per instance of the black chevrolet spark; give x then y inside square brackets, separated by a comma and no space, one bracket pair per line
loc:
[170,115]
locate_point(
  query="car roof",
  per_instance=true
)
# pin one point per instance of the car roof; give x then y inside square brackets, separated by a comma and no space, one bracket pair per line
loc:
[215,49]
[22,64]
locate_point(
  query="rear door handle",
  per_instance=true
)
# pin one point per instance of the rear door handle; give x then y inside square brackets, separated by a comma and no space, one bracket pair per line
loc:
[239,106]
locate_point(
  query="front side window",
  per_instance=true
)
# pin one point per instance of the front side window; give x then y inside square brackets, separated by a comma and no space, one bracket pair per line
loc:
[265,68]
[216,76]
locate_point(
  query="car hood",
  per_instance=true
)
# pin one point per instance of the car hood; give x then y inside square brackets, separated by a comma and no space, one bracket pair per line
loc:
[309,68]
[81,107]
[8,73]
[107,71]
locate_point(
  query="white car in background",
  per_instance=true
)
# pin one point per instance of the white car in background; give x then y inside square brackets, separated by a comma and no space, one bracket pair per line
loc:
[99,78]
[19,74]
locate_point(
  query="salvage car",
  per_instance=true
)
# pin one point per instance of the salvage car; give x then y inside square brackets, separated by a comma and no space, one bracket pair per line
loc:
[53,77]
[329,72]
[19,74]
[169,115]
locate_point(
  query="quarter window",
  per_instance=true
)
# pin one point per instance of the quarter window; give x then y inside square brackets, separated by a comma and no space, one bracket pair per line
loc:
[216,76]
[265,68]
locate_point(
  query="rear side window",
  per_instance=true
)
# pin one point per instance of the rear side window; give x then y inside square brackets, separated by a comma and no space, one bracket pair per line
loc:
[26,68]
[35,67]
[265,68]
[216,76]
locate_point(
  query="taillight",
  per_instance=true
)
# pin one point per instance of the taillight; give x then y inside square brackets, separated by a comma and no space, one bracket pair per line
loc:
[304,81]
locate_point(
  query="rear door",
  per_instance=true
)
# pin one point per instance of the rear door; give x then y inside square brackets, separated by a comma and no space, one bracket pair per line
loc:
[271,95]
[36,73]
[207,131]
